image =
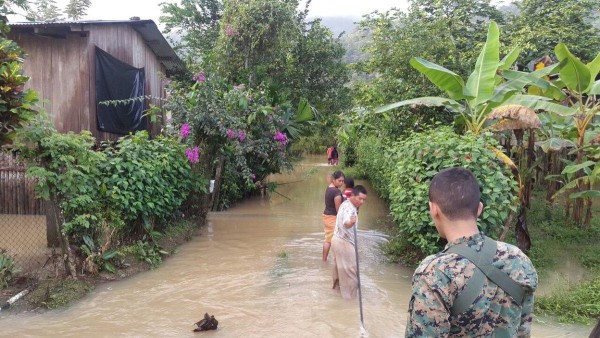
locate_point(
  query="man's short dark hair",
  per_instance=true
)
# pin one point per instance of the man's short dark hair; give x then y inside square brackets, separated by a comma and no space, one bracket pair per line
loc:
[349,182]
[456,192]
[359,189]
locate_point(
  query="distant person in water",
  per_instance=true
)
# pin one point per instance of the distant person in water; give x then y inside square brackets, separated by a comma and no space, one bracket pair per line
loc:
[334,156]
[329,150]
[333,200]
[349,184]
[345,275]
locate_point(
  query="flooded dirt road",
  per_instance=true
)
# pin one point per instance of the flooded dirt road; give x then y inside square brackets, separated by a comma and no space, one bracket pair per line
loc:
[256,267]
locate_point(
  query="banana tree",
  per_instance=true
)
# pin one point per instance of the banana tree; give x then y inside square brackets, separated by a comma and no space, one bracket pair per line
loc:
[578,81]
[490,86]
[485,89]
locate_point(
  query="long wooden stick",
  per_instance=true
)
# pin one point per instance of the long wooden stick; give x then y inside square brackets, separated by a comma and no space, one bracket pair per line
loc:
[362,322]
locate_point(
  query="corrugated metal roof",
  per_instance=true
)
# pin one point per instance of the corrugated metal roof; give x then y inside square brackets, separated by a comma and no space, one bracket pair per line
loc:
[147,28]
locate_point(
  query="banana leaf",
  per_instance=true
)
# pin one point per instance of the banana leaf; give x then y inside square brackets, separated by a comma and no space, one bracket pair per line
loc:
[304,112]
[595,88]
[584,194]
[444,78]
[426,101]
[540,103]
[509,59]
[573,72]
[480,84]
[555,144]
[571,169]
[594,67]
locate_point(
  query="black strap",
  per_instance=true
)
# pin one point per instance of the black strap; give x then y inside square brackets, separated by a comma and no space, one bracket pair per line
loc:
[483,262]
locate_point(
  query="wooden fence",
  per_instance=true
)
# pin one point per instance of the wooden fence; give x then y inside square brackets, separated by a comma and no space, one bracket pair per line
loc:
[17,191]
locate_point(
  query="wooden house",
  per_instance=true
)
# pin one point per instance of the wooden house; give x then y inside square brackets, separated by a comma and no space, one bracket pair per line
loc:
[62,63]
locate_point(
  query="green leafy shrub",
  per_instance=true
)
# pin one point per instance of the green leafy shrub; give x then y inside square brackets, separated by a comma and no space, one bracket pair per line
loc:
[7,269]
[68,173]
[107,193]
[403,171]
[143,251]
[372,163]
[146,178]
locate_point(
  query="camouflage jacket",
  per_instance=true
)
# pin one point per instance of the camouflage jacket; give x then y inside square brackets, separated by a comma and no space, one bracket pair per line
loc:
[441,277]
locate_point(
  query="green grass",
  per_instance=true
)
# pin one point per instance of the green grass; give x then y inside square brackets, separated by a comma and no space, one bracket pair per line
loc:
[181,228]
[580,304]
[555,241]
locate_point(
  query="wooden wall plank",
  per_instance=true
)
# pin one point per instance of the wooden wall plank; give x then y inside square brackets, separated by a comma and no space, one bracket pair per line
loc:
[85,68]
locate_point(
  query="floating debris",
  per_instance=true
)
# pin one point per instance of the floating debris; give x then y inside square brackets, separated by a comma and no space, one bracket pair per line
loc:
[207,323]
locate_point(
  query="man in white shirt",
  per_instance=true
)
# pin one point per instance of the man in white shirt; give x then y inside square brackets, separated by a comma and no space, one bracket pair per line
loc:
[342,245]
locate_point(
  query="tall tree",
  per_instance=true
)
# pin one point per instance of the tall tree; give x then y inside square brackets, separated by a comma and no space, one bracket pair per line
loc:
[44,10]
[319,73]
[257,39]
[541,24]
[195,23]
[271,43]
[441,31]
[76,9]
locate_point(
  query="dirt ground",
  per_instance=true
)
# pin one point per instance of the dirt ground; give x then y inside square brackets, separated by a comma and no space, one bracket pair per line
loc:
[48,288]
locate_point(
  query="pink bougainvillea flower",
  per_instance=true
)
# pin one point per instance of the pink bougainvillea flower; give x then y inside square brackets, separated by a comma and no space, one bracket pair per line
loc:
[229,31]
[281,138]
[193,155]
[253,177]
[199,77]
[241,136]
[185,130]
[230,133]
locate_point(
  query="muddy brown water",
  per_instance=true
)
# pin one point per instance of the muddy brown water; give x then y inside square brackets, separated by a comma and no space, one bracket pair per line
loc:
[257,268]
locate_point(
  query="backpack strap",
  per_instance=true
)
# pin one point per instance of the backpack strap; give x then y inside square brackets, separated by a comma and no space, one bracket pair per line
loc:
[485,270]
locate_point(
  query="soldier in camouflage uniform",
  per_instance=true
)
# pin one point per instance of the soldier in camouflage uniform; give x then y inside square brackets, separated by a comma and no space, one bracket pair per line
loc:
[456,296]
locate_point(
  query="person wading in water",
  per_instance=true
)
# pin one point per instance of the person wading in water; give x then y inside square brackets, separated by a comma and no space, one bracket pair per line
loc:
[333,200]
[345,269]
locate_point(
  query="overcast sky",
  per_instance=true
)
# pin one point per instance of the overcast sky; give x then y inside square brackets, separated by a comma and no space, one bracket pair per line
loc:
[150,9]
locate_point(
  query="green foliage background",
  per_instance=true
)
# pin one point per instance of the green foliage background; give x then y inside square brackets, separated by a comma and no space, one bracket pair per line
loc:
[402,170]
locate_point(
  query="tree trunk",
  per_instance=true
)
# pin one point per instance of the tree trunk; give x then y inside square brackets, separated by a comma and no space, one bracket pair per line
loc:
[567,208]
[528,178]
[54,214]
[218,182]
[52,235]
[588,213]
[578,202]
[551,185]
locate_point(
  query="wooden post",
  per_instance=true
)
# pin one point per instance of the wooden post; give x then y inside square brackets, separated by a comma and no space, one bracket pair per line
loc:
[214,202]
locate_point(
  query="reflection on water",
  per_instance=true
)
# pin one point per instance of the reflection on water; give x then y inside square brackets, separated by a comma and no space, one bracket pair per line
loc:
[257,268]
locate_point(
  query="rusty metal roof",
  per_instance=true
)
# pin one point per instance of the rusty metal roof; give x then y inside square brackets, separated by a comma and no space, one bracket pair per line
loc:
[147,28]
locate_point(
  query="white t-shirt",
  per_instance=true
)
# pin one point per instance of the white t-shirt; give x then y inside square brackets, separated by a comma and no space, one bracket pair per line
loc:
[346,210]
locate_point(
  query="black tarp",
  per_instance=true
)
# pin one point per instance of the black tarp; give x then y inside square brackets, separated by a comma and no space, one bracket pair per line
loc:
[116,80]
